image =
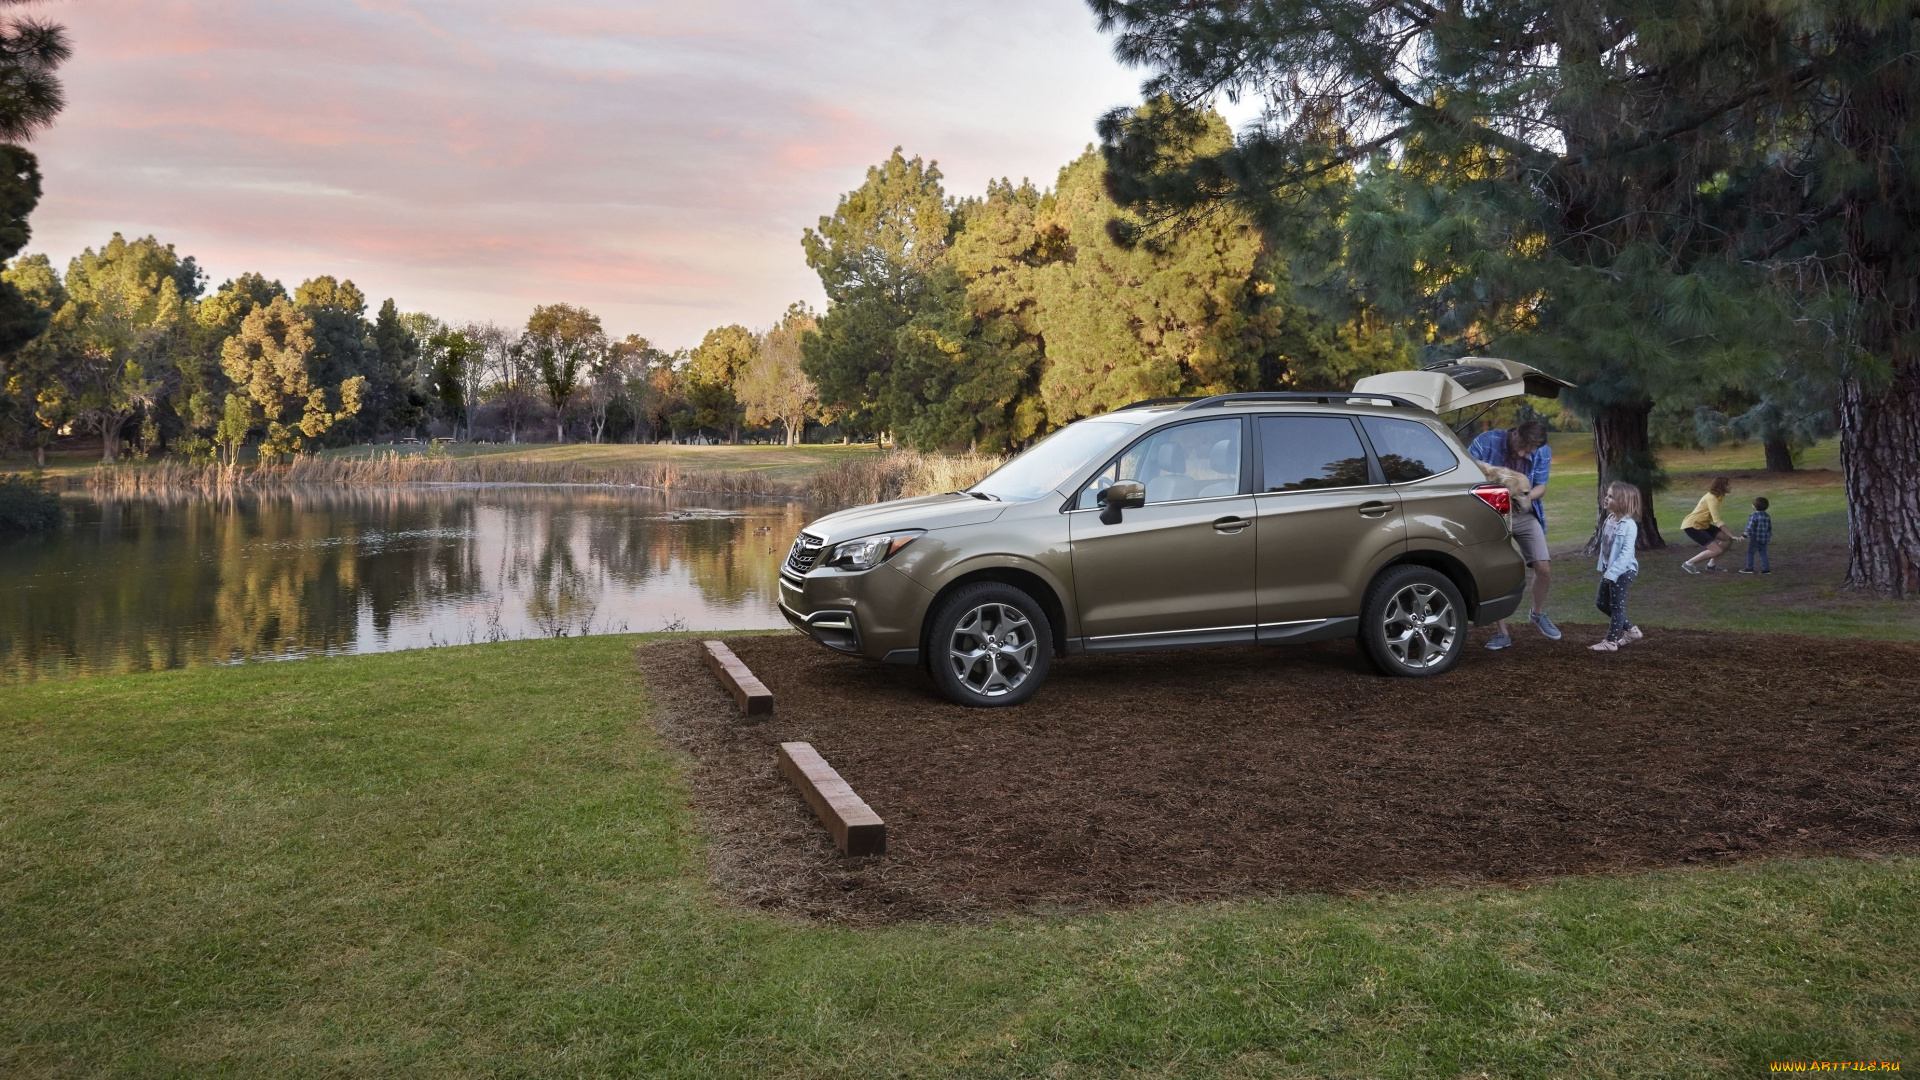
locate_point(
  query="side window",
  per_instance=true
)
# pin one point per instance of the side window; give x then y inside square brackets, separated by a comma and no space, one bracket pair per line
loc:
[1305,452]
[1407,451]
[1188,461]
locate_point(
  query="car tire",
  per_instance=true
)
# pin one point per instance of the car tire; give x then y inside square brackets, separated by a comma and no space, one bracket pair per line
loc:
[989,645]
[1414,623]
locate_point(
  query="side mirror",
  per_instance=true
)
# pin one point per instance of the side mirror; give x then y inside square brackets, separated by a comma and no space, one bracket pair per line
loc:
[1120,496]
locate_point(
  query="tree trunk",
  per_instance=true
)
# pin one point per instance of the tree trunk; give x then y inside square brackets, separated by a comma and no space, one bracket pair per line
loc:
[1880,425]
[109,442]
[1621,448]
[1779,456]
[1878,434]
[40,455]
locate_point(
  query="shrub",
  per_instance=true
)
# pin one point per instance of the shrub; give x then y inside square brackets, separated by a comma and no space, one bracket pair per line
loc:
[26,506]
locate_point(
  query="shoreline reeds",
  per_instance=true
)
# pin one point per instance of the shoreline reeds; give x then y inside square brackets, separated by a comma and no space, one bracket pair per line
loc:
[855,481]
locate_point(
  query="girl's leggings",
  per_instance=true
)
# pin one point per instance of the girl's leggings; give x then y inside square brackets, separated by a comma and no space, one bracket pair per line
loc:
[1612,599]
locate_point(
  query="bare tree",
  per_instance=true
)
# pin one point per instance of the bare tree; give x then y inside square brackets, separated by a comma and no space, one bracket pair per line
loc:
[772,386]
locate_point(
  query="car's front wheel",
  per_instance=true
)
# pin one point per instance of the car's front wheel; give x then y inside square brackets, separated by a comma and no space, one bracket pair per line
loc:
[1414,622]
[990,644]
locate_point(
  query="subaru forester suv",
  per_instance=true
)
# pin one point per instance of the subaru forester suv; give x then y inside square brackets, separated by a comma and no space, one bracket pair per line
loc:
[1243,518]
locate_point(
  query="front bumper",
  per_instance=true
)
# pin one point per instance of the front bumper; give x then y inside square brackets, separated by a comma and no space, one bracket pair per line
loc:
[875,614]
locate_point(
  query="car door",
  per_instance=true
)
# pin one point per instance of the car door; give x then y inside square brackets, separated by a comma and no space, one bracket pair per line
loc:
[1324,521]
[1179,570]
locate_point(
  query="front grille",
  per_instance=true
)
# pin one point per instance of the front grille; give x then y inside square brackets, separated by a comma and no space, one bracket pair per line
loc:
[806,551]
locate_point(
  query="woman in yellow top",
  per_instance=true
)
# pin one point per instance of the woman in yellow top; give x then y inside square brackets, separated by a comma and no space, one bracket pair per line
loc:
[1705,528]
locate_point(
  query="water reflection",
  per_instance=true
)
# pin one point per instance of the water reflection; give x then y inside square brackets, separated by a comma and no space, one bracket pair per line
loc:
[140,584]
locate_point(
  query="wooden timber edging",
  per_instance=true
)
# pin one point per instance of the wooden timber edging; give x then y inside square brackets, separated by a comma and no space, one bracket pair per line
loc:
[748,692]
[856,829]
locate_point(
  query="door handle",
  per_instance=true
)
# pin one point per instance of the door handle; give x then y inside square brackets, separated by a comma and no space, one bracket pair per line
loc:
[1374,509]
[1230,525]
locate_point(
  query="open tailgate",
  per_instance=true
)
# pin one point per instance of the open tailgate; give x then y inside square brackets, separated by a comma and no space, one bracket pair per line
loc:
[1463,383]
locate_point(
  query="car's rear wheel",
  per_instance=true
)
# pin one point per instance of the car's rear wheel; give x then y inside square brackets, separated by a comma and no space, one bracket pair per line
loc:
[990,644]
[1414,623]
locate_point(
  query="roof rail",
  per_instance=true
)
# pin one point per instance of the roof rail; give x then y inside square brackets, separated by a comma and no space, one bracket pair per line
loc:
[1152,401]
[1341,397]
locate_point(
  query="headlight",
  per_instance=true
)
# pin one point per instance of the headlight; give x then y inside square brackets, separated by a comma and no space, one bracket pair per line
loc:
[870,551]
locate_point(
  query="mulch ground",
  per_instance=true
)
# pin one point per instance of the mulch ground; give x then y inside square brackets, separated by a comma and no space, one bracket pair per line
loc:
[1208,774]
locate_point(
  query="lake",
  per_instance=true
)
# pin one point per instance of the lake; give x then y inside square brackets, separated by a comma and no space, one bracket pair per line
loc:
[138,584]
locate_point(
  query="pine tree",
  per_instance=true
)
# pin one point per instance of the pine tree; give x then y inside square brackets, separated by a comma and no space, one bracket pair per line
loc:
[1563,181]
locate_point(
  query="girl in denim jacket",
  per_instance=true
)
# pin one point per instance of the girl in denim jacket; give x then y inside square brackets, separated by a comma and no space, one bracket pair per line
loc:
[1618,567]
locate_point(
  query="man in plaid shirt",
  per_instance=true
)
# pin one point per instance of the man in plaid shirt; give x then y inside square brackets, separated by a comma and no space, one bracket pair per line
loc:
[1757,534]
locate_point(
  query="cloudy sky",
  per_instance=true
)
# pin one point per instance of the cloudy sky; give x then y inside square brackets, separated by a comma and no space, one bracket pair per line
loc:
[654,161]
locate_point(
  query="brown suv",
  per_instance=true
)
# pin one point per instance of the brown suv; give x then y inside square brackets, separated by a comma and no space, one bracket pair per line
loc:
[1243,518]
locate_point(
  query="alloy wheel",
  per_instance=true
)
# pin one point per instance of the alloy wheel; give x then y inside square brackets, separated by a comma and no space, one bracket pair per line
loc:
[993,649]
[1420,626]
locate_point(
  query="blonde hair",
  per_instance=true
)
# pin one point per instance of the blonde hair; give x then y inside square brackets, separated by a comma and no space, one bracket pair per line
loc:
[1628,497]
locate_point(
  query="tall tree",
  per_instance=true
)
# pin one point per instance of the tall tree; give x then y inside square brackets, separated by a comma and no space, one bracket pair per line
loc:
[36,399]
[563,342]
[1862,70]
[393,382]
[126,310]
[31,51]
[773,387]
[1184,314]
[342,345]
[874,255]
[271,363]
[202,385]
[452,353]
[1569,162]
[713,370]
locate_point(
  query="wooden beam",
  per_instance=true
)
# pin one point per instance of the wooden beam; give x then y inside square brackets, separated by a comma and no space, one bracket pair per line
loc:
[748,692]
[856,829]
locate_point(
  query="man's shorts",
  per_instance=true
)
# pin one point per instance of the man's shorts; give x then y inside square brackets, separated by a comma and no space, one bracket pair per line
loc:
[1531,536]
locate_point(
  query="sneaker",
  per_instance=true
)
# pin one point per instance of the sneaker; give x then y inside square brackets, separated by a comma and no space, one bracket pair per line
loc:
[1689,568]
[1604,646]
[1766,571]
[1746,571]
[1545,626]
[1499,641]
[1633,634]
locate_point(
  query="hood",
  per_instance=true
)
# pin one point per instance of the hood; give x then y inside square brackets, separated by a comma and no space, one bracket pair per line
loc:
[921,512]
[1463,383]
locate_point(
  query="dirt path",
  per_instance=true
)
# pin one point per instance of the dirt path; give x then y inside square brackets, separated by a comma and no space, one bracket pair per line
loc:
[1226,772]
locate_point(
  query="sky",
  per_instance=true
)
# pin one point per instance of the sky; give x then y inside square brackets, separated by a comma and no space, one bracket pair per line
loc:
[655,162]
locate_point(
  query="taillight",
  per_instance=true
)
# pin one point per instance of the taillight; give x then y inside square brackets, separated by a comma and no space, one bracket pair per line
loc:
[1496,496]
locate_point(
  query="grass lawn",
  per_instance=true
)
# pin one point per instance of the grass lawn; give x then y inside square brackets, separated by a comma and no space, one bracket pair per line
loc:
[478,861]
[1801,596]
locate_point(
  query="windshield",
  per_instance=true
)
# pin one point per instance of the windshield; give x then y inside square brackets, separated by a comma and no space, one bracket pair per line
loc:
[1053,460]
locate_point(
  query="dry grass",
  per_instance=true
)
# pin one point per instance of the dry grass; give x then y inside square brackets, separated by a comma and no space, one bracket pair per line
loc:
[849,482]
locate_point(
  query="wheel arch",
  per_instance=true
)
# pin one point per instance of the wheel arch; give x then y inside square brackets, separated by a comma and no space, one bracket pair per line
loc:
[1455,571]
[1027,581]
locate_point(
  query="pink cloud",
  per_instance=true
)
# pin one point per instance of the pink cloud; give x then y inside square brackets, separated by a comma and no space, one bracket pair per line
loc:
[474,158]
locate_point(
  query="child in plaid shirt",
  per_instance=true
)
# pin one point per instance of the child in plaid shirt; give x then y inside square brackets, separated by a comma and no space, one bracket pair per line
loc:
[1757,534]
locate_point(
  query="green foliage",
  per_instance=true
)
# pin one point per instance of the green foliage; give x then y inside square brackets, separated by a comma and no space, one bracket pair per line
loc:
[271,362]
[30,94]
[986,322]
[27,506]
[562,341]
[713,370]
